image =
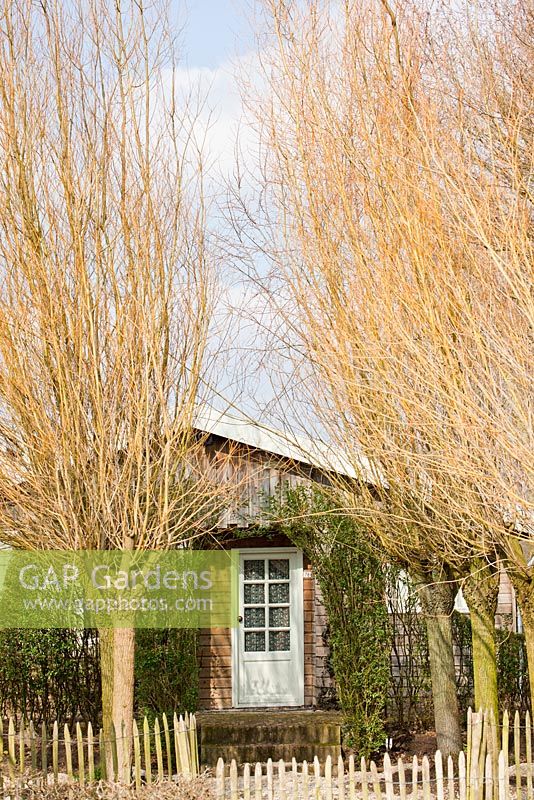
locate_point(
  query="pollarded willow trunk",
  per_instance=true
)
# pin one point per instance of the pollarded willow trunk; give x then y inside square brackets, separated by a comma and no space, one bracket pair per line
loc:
[525,596]
[481,591]
[117,652]
[528,629]
[437,599]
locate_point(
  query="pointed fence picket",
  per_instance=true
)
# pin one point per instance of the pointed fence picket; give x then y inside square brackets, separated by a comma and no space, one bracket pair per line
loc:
[26,755]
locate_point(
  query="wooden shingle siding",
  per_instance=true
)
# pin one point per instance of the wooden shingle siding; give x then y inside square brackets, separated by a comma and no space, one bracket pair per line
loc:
[324,683]
[506,616]
[253,477]
[215,668]
[309,643]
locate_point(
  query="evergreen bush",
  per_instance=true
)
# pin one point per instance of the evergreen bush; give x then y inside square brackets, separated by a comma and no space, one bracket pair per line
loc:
[351,576]
[166,671]
[50,674]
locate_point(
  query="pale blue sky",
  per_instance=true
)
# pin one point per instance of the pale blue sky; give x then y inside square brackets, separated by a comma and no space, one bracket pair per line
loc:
[215,30]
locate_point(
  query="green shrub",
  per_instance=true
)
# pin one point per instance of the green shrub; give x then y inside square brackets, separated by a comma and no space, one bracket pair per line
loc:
[166,671]
[514,692]
[461,632]
[352,585]
[352,581]
[55,674]
[50,674]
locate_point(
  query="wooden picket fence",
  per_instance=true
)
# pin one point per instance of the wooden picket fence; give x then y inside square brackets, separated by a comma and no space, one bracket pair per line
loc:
[314,782]
[496,765]
[482,772]
[159,751]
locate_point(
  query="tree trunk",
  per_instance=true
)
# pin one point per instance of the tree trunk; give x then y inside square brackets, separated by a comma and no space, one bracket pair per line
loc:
[528,629]
[117,649]
[481,591]
[525,596]
[437,597]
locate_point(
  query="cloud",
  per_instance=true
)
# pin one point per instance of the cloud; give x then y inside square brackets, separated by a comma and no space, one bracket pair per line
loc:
[243,368]
[223,125]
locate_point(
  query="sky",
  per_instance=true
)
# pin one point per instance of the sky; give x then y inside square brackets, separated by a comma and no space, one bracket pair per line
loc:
[215,31]
[216,45]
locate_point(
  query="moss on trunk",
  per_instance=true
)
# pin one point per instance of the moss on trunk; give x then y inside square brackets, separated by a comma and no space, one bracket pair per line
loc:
[525,594]
[528,628]
[437,595]
[480,591]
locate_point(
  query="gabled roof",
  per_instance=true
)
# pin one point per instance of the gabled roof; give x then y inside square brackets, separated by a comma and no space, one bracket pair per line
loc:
[313,452]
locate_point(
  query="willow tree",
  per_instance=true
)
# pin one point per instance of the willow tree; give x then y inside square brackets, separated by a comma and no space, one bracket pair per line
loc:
[106,293]
[489,199]
[398,290]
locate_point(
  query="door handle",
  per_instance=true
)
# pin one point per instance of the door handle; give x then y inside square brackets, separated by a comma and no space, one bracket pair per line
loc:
[240,619]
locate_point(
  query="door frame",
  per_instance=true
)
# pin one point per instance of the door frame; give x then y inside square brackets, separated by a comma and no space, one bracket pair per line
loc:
[298,612]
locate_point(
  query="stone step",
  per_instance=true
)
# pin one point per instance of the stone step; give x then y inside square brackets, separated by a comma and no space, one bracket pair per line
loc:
[325,733]
[252,753]
[259,735]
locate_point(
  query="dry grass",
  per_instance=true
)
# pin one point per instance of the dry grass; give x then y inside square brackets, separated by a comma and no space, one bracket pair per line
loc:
[182,788]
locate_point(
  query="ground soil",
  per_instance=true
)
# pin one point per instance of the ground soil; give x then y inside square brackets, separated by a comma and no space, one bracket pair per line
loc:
[420,744]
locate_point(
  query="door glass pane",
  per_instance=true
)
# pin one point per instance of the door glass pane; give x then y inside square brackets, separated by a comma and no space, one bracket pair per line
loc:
[263,609]
[254,641]
[279,593]
[278,569]
[254,569]
[279,640]
[254,617]
[254,593]
[279,617]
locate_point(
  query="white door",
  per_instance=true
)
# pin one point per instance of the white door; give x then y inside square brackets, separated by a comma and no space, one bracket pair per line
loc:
[268,653]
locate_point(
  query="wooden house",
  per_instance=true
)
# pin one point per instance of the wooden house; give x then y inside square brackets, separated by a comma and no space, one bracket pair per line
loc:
[277,655]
